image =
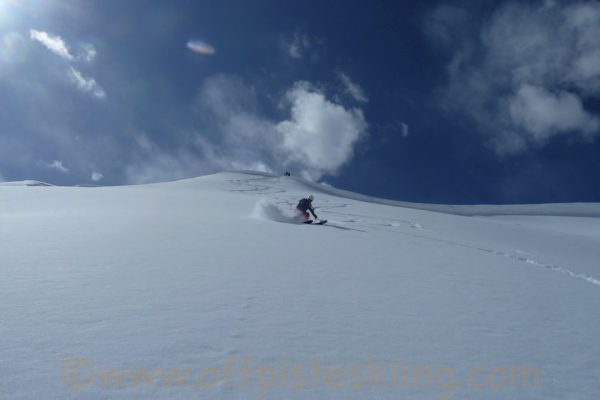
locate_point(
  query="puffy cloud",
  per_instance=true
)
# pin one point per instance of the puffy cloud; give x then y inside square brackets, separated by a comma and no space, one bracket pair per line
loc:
[525,76]
[301,46]
[58,165]
[543,114]
[96,176]
[89,52]
[320,134]
[53,43]
[298,46]
[316,137]
[86,84]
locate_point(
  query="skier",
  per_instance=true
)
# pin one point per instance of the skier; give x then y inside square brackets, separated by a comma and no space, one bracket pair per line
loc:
[305,205]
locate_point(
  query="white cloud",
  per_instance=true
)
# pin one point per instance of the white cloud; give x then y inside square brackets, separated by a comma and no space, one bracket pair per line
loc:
[298,46]
[544,114]
[320,134]
[58,165]
[86,84]
[352,88]
[301,46]
[318,137]
[96,176]
[89,52]
[58,46]
[151,163]
[53,43]
[404,129]
[525,76]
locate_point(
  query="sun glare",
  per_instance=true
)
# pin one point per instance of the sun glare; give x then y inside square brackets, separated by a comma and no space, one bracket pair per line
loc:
[6,8]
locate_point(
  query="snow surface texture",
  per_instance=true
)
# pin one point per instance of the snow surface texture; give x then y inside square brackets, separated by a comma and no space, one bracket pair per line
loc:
[209,288]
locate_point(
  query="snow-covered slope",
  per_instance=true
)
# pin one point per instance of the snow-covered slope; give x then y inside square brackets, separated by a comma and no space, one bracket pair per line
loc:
[207,288]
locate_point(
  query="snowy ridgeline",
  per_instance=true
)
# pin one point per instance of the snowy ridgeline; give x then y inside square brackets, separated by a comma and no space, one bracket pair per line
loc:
[209,288]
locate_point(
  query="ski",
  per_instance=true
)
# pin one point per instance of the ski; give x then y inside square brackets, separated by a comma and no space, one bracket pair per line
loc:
[319,222]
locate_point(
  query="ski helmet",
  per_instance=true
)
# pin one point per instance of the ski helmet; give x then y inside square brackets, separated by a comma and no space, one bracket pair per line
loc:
[311,197]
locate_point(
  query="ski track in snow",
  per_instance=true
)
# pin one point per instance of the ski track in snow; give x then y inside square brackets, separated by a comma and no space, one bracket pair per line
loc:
[551,267]
[250,186]
[270,210]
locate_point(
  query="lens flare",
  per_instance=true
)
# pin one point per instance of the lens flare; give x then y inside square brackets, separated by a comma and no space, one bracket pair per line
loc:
[200,47]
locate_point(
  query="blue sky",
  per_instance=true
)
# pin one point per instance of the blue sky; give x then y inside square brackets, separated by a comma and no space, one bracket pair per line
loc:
[432,101]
